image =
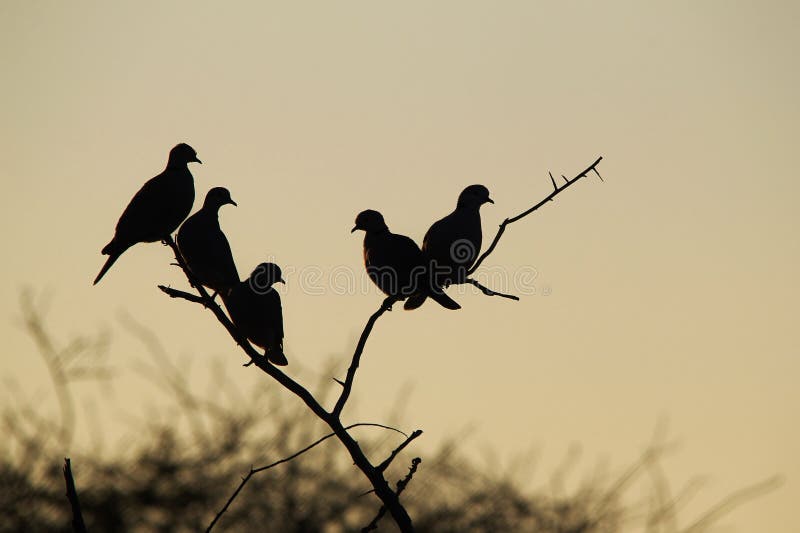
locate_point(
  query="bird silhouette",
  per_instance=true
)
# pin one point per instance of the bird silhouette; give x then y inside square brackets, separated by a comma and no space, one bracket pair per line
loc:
[157,209]
[255,309]
[452,244]
[394,262]
[204,247]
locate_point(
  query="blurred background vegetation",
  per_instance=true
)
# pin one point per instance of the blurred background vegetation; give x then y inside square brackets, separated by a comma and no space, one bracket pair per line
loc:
[182,461]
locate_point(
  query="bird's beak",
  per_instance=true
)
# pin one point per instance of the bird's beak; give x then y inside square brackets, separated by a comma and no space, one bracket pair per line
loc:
[282,281]
[489,200]
[233,203]
[354,229]
[197,160]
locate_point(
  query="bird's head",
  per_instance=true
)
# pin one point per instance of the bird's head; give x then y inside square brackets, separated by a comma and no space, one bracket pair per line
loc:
[369,221]
[182,154]
[217,197]
[264,277]
[474,196]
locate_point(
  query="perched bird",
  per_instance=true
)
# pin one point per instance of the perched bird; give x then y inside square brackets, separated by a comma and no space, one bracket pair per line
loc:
[452,244]
[394,262]
[157,209]
[205,248]
[255,308]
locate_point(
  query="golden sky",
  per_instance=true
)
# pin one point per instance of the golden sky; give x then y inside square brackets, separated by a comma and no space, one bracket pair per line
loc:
[669,291]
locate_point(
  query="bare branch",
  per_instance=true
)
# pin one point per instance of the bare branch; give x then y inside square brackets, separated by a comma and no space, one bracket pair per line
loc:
[401,485]
[489,292]
[72,495]
[175,293]
[384,465]
[733,500]
[362,341]
[506,222]
[285,460]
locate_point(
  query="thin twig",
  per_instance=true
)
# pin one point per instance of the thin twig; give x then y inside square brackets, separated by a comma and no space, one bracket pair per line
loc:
[175,293]
[489,292]
[401,485]
[384,465]
[506,222]
[286,460]
[733,500]
[362,342]
[78,525]
[58,374]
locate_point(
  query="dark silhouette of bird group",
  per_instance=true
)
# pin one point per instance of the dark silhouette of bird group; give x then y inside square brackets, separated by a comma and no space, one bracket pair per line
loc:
[395,263]
[403,271]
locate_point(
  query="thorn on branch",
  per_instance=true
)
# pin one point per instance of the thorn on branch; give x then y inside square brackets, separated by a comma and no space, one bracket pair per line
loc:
[553,181]
[598,173]
[401,485]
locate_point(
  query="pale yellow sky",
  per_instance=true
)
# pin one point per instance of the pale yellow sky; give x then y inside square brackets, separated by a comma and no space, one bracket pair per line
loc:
[672,286]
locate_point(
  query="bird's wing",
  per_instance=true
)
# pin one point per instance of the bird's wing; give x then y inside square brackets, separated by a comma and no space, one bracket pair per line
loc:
[273,312]
[138,221]
[224,259]
[436,243]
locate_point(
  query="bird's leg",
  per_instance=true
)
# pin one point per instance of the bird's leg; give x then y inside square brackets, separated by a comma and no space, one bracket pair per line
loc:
[388,301]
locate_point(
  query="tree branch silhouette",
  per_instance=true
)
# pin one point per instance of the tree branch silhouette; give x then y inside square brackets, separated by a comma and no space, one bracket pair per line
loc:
[78,525]
[389,498]
[549,198]
[380,485]
[489,292]
[384,465]
[300,452]
[362,342]
[401,485]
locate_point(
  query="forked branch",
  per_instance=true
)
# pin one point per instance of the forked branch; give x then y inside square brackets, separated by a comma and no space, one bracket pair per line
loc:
[401,486]
[254,471]
[380,485]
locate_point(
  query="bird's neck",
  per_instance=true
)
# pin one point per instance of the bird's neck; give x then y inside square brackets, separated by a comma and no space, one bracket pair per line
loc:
[177,165]
[371,236]
[211,210]
[467,208]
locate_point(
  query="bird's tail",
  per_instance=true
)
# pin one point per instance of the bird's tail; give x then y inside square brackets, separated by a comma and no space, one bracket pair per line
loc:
[416,300]
[113,250]
[276,357]
[444,300]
